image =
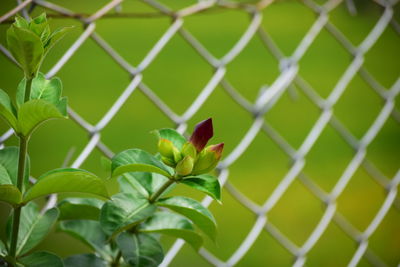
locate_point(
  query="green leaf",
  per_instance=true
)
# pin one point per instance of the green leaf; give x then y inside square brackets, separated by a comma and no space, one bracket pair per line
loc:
[40,259]
[21,22]
[174,225]
[33,227]
[170,134]
[9,160]
[40,27]
[10,194]
[35,112]
[90,233]
[20,94]
[194,211]
[206,183]
[140,250]
[55,36]
[156,181]
[62,106]
[143,182]
[3,249]
[27,49]
[105,163]
[7,110]
[84,260]
[136,160]
[124,211]
[80,209]
[67,180]
[41,19]
[128,183]
[4,176]
[47,90]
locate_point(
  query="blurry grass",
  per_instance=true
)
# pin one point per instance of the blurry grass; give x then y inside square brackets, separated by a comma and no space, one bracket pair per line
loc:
[92,81]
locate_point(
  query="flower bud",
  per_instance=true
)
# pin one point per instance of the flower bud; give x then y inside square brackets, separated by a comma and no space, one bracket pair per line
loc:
[208,159]
[185,166]
[201,134]
[165,148]
[170,154]
[189,149]
[168,162]
[177,155]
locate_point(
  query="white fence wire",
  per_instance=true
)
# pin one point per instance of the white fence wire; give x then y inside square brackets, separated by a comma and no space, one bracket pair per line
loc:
[289,76]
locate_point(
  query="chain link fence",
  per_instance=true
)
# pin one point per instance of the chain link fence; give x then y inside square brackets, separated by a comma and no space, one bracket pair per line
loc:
[289,80]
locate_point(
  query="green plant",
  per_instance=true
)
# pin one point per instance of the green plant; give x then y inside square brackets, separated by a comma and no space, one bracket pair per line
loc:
[122,230]
[37,101]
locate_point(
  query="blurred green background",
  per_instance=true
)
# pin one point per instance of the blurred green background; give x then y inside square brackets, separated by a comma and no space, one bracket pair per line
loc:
[93,81]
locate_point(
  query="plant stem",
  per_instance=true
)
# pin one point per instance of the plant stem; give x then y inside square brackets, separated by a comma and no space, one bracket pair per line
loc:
[115,263]
[161,190]
[23,149]
[28,86]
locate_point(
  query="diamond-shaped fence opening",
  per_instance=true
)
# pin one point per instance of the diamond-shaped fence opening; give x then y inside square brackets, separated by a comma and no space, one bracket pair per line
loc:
[299,90]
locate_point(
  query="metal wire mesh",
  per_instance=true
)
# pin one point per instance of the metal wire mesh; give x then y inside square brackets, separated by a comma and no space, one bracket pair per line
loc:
[289,76]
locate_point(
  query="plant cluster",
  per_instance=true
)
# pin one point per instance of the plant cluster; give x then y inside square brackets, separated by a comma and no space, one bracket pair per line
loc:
[123,229]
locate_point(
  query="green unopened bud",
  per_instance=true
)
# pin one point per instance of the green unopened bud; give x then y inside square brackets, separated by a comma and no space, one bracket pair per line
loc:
[208,159]
[189,149]
[168,161]
[185,166]
[177,155]
[170,154]
[166,148]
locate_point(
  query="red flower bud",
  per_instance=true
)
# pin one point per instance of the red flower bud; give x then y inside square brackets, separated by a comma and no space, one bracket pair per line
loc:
[208,159]
[217,149]
[201,134]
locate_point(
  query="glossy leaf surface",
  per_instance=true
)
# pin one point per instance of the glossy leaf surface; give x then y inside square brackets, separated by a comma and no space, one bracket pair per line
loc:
[80,209]
[35,112]
[67,180]
[26,48]
[136,160]
[140,250]
[41,259]
[193,210]
[7,110]
[174,225]
[43,89]
[205,183]
[124,211]
[9,162]
[10,194]
[3,249]
[4,176]
[33,227]
[143,182]
[90,233]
